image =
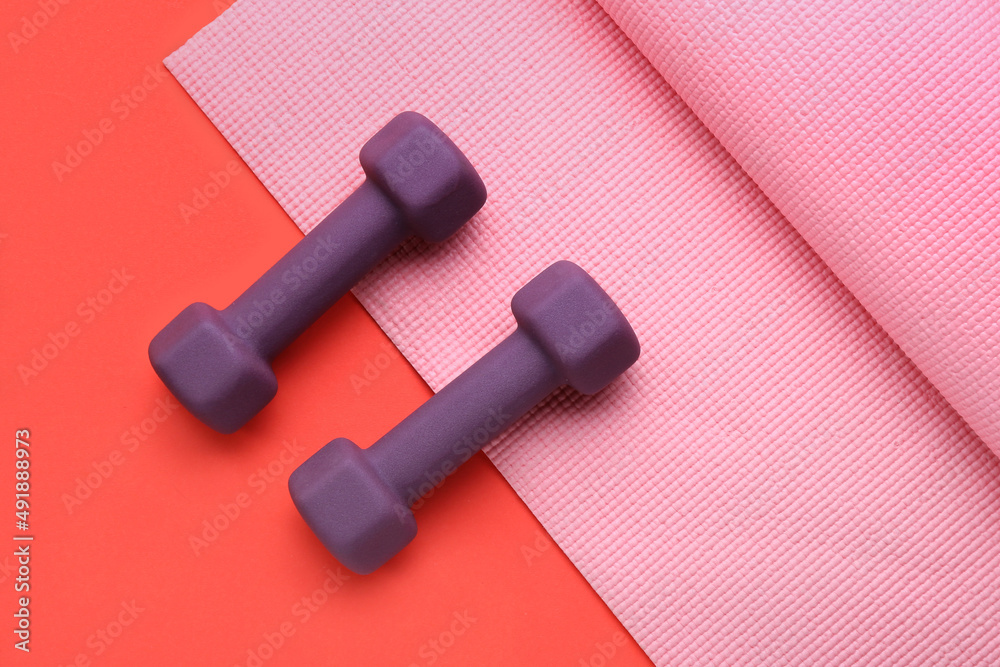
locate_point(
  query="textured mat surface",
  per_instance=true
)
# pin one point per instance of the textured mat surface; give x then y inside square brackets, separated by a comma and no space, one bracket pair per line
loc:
[873,126]
[775,482]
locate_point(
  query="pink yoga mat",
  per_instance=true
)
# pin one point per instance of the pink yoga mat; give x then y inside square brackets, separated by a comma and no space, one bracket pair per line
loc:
[874,127]
[775,482]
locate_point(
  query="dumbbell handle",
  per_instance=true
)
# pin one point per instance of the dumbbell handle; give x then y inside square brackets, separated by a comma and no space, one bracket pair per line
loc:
[467,413]
[317,271]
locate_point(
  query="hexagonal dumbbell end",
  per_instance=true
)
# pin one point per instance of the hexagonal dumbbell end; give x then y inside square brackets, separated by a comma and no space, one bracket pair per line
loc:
[569,332]
[217,363]
[216,374]
[431,182]
[340,481]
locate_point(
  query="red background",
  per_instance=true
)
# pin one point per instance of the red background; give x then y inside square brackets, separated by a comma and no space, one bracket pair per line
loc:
[122,491]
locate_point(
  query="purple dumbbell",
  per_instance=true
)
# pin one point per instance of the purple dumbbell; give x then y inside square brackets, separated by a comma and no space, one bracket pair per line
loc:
[357,500]
[218,364]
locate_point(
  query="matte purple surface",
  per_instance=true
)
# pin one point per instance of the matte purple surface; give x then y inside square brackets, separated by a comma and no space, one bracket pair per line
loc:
[217,364]
[569,332]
